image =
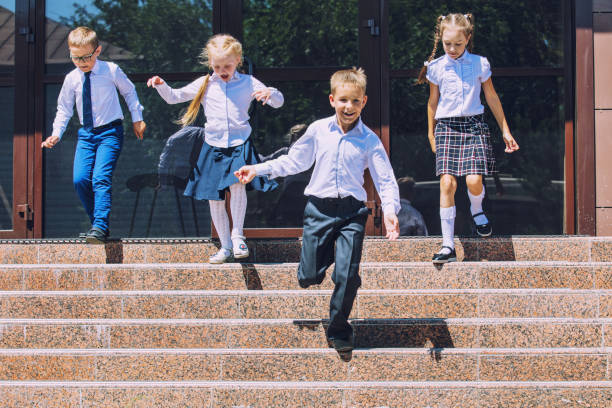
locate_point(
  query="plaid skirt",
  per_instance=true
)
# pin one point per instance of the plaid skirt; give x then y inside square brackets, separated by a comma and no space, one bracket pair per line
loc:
[463,146]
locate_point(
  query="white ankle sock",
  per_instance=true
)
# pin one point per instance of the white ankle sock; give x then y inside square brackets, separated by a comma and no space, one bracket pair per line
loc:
[476,206]
[238,205]
[221,222]
[447,220]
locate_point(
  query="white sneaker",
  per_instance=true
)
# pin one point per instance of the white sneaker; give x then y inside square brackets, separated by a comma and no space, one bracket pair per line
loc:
[241,250]
[220,257]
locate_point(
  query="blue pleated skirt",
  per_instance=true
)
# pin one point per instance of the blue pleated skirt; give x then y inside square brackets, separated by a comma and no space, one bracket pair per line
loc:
[214,172]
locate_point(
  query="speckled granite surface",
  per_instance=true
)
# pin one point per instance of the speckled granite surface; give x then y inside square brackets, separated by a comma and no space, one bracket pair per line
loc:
[573,249]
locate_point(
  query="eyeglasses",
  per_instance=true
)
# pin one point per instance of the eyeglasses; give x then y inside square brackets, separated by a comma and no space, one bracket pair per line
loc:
[83,58]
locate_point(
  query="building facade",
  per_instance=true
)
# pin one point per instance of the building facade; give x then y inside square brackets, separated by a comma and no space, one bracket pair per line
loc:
[551,64]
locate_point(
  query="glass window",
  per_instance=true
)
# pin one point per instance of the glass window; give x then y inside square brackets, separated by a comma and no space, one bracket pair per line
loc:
[507,32]
[7,118]
[296,33]
[143,205]
[527,196]
[7,36]
[147,36]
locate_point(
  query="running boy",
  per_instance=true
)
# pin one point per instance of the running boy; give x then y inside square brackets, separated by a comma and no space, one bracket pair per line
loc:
[93,86]
[341,148]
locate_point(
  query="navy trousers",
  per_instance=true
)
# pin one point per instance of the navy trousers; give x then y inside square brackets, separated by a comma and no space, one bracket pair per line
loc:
[333,231]
[95,159]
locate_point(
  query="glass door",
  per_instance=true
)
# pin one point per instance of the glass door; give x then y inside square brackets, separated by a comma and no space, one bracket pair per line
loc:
[16,107]
[295,46]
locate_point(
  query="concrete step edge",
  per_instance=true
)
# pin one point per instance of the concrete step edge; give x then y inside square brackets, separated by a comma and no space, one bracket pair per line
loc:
[205,266]
[308,384]
[306,351]
[303,293]
[259,321]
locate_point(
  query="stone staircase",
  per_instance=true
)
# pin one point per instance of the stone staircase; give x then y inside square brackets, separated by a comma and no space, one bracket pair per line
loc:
[521,322]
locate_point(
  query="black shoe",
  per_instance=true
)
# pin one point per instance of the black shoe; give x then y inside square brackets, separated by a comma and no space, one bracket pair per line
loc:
[483,230]
[442,258]
[343,345]
[82,235]
[96,236]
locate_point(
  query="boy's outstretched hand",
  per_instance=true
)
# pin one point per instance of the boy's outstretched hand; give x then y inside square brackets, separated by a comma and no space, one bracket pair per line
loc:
[392,226]
[245,174]
[50,142]
[139,128]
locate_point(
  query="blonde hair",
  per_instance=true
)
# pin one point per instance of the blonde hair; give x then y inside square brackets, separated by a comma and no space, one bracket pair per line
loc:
[83,36]
[218,45]
[354,76]
[465,22]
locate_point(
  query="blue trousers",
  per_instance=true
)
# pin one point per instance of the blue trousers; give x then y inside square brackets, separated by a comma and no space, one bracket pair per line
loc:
[333,231]
[95,158]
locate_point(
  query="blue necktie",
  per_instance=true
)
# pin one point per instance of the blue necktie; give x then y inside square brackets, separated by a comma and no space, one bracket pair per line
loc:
[87,112]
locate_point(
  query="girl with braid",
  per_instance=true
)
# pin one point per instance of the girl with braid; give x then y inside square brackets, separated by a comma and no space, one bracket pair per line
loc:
[457,133]
[226,96]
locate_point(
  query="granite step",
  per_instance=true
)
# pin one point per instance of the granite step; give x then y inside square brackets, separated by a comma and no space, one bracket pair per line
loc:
[455,364]
[374,275]
[354,394]
[518,248]
[289,333]
[312,304]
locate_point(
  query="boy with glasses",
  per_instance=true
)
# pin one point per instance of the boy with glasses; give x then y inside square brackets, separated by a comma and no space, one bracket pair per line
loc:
[93,85]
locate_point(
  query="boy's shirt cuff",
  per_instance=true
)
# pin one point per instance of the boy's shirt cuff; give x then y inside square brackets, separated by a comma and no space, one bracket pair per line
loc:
[390,209]
[262,169]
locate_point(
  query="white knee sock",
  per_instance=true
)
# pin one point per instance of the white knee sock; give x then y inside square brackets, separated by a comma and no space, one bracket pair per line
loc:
[221,222]
[238,205]
[476,206]
[447,220]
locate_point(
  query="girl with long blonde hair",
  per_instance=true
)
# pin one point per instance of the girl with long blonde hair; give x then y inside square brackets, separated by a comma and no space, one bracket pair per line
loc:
[225,96]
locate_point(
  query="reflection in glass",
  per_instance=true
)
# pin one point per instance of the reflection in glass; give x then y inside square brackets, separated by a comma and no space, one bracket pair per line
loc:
[143,205]
[7,118]
[152,36]
[294,33]
[273,133]
[7,36]
[507,32]
[527,198]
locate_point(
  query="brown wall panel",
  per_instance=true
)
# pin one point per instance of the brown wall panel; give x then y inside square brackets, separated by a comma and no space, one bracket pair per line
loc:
[604,221]
[602,5]
[602,41]
[603,157]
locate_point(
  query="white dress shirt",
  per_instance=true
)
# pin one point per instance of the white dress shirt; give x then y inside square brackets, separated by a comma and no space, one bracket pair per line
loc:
[340,160]
[226,105]
[459,81]
[106,78]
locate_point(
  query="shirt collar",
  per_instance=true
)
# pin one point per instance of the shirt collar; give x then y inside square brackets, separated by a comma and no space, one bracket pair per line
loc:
[463,58]
[95,70]
[333,123]
[215,77]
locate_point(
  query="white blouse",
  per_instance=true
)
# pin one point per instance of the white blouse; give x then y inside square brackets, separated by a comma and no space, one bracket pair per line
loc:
[459,82]
[226,105]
